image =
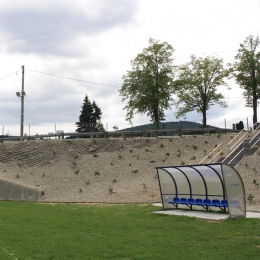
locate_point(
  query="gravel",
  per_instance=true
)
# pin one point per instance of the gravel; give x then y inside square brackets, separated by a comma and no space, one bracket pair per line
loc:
[111,170]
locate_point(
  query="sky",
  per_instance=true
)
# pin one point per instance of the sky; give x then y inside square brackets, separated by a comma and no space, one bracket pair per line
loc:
[93,42]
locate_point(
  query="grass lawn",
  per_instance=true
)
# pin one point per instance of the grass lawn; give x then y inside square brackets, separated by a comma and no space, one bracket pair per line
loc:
[77,231]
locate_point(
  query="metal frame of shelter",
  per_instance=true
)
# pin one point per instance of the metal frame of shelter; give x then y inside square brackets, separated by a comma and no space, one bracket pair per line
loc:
[202,186]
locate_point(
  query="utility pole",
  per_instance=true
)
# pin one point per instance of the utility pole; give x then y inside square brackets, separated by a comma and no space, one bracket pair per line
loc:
[22,106]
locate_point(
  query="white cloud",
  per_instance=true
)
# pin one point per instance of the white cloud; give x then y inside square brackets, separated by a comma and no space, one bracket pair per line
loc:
[96,40]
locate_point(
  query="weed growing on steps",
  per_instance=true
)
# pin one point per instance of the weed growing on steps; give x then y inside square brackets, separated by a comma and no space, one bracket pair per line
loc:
[250,198]
[97,173]
[206,142]
[193,158]
[144,186]
[162,145]
[95,155]
[110,190]
[134,171]
[182,162]
[168,154]
[87,182]
[120,157]
[77,171]
[195,147]
[256,183]
[80,190]
[114,180]
[152,161]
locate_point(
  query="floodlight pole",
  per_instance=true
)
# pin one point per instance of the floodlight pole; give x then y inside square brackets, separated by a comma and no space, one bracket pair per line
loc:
[22,106]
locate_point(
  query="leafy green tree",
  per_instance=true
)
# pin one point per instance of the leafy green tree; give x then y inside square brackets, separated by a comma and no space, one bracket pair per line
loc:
[197,85]
[246,70]
[149,85]
[89,117]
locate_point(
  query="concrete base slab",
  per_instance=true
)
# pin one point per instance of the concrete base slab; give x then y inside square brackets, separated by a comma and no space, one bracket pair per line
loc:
[196,214]
[202,214]
[250,214]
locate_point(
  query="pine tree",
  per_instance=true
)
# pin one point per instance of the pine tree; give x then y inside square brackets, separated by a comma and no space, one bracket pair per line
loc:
[89,117]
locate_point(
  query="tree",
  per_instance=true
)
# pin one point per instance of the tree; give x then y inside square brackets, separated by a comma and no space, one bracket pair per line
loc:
[100,127]
[240,125]
[197,85]
[115,128]
[148,87]
[246,70]
[89,117]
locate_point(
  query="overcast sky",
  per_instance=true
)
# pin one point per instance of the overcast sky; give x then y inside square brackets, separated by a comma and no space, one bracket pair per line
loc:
[94,41]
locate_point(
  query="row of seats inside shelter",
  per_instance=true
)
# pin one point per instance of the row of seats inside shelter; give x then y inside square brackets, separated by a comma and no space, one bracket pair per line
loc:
[200,202]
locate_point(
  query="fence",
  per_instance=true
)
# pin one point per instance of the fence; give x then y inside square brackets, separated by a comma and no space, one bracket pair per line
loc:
[61,134]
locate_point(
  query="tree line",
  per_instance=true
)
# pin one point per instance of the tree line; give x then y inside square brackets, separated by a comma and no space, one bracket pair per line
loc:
[155,84]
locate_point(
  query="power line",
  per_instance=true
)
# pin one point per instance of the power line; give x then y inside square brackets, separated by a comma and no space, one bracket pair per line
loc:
[129,36]
[71,29]
[80,80]
[69,35]
[101,24]
[9,75]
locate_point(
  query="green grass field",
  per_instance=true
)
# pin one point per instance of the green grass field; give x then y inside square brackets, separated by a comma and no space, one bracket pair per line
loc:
[77,231]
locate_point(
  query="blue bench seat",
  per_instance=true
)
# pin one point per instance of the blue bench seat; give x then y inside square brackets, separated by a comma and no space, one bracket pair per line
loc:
[199,202]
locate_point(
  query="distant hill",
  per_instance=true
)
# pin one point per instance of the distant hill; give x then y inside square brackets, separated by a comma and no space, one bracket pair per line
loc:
[168,125]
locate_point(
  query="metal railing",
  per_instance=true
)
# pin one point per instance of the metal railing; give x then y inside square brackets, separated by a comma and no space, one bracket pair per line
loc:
[212,155]
[124,133]
[232,146]
[241,151]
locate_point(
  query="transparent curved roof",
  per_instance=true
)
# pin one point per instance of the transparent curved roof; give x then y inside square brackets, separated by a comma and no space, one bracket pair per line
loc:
[210,181]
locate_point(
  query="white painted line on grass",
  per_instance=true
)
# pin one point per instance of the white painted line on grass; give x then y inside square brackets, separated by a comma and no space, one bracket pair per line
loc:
[10,254]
